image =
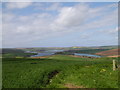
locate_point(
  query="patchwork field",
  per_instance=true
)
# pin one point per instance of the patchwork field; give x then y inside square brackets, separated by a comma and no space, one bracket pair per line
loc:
[112,52]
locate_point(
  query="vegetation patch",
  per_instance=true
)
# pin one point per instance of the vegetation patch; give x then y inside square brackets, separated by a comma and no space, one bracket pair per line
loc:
[87,51]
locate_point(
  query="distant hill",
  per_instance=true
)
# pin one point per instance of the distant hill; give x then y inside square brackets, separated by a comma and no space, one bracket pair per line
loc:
[109,47]
[12,53]
[13,50]
[96,47]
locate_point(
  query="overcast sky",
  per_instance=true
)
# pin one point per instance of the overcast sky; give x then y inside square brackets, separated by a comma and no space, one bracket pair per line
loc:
[59,24]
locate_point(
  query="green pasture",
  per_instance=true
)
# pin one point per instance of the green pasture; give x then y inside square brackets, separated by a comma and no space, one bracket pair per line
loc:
[58,70]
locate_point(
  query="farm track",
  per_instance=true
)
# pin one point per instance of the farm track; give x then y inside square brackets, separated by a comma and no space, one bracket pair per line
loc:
[69,85]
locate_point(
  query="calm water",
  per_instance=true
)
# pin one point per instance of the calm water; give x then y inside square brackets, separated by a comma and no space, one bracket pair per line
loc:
[89,55]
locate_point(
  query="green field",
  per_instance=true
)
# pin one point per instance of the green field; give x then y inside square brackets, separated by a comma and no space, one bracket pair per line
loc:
[59,71]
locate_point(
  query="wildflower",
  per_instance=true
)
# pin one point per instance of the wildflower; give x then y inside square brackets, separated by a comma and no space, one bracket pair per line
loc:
[103,70]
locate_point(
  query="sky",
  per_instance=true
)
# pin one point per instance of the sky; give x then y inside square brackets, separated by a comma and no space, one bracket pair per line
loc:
[59,24]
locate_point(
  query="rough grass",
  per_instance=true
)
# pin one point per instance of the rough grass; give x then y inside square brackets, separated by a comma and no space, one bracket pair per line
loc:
[36,73]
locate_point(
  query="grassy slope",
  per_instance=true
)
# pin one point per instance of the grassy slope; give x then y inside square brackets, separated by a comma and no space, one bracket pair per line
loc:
[34,73]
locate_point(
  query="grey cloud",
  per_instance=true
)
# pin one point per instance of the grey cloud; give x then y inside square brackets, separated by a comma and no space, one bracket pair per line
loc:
[39,26]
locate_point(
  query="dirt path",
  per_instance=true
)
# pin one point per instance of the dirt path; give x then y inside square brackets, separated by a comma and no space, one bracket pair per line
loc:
[69,85]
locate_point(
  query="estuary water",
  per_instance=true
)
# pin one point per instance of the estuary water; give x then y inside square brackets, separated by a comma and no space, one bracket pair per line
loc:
[52,52]
[47,53]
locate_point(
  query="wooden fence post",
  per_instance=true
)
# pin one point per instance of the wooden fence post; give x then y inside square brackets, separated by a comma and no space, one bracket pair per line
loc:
[114,65]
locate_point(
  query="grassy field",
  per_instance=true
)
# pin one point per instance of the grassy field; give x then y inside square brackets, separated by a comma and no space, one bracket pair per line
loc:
[59,71]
